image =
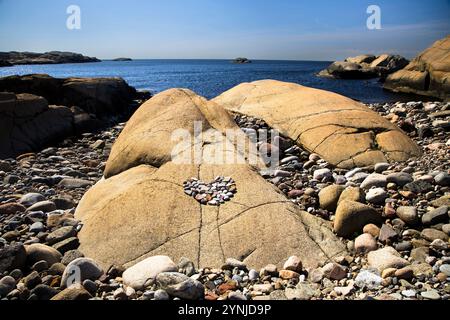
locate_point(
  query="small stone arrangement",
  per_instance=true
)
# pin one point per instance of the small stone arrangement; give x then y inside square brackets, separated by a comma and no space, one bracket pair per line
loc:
[215,193]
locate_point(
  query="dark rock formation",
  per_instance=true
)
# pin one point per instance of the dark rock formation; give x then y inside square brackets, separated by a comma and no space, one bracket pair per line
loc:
[28,123]
[99,96]
[123,59]
[241,61]
[428,74]
[37,110]
[365,67]
[53,57]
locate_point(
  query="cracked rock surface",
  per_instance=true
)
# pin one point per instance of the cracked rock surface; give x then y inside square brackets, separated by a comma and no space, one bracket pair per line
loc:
[141,210]
[342,131]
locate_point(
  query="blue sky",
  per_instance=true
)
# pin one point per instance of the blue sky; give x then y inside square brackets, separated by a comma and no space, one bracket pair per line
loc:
[258,29]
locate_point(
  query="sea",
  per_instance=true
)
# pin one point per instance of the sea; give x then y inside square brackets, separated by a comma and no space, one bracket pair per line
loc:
[210,78]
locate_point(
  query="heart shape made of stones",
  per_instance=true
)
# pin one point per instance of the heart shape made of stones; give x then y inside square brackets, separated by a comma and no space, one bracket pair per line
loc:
[215,193]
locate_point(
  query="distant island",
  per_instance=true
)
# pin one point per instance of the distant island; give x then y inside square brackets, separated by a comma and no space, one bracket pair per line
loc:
[241,61]
[8,59]
[122,59]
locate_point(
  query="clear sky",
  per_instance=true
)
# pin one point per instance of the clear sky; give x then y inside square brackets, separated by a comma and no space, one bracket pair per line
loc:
[257,29]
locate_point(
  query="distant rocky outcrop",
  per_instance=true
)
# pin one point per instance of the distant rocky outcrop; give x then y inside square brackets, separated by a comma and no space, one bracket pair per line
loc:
[365,67]
[36,110]
[122,59]
[52,57]
[428,74]
[241,61]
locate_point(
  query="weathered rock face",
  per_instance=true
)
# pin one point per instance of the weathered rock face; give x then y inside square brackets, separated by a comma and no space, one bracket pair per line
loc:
[99,96]
[348,70]
[28,123]
[53,57]
[141,210]
[428,74]
[342,131]
[365,67]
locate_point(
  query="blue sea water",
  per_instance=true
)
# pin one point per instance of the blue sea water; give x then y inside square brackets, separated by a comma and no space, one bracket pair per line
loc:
[210,78]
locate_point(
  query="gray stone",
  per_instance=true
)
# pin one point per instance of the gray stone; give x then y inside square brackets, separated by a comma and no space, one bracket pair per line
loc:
[418,186]
[384,258]
[81,269]
[446,229]
[376,196]
[90,286]
[32,280]
[72,183]
[40,266]
[44,206]
[253,275]
[144,273]
[278,295]
[445,268]
[61,234]
[436,216]
[236,296]
[7,284]
[430,295]
[374,180]
[186,266]
[409,293]
[322,174]
[301,292]
[380,167]
[37,227]
[31,198]
[442,179]
[369,280]
[180,286]
[399,178]
[433,234]
[161,295]
[67,245]
[44,292]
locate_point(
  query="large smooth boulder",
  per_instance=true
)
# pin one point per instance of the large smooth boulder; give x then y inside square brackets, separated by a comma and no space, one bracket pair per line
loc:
[428,74]
[141,209]
[28,123]
[342,131]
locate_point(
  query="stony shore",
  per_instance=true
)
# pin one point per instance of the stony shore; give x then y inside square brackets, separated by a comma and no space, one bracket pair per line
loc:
[404,255]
